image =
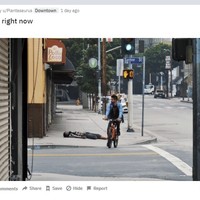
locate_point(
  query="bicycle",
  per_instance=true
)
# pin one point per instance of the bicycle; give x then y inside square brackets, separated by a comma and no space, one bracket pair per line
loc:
[112,133]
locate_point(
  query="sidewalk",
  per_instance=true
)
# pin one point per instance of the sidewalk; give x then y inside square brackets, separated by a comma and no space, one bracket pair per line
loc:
[74,118]
[181,99]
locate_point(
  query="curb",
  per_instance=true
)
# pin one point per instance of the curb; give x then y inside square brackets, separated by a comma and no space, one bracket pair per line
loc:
[154,140]
[54,146]
[184,101]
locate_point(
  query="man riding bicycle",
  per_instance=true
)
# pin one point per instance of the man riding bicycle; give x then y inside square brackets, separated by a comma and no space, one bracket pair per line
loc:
[114,111]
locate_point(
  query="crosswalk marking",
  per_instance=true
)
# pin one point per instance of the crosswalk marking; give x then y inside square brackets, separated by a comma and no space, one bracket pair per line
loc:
[159,108]
[185,168]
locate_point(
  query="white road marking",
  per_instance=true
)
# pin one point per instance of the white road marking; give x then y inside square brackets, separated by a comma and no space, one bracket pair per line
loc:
[185,168]
[158,108]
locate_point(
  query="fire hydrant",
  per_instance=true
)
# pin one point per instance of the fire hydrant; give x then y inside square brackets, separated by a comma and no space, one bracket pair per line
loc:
[78,102]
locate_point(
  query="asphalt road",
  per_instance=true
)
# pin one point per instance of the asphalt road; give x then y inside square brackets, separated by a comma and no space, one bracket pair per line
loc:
[130,163]
[168,159]
[169,120]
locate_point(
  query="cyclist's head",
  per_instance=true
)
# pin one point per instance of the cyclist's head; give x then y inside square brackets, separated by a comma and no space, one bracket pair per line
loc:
[114,98]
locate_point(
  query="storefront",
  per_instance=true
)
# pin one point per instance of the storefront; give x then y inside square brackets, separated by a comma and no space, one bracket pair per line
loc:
[4,110]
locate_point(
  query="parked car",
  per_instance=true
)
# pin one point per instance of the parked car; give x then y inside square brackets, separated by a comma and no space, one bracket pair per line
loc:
[149,89]
[122,100]
[159,93]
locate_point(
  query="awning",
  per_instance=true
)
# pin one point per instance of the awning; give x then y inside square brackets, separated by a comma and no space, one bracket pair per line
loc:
[179,79]
[63,74]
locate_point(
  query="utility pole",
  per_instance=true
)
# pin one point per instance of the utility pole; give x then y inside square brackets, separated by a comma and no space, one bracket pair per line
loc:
[104,74]
[99,81]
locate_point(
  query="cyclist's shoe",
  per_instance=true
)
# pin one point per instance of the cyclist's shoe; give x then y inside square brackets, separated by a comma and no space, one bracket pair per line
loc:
[109,144]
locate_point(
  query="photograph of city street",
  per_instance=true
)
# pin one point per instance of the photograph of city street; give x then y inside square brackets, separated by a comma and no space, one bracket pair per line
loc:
[99,109]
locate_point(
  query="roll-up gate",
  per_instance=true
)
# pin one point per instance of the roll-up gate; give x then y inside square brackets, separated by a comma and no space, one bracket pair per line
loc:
[4,111]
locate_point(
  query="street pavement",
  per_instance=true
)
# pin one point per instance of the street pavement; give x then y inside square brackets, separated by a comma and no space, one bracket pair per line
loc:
[74,118]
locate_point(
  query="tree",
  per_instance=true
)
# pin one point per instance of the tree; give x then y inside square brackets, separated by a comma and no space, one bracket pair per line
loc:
[79,51]
[155,57]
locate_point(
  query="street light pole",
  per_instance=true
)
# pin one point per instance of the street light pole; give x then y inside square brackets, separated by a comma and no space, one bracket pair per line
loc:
[171,81]
[169,64]
[113,49]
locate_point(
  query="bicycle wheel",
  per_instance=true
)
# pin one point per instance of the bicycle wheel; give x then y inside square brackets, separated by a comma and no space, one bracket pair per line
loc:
[109,142]
[115,142]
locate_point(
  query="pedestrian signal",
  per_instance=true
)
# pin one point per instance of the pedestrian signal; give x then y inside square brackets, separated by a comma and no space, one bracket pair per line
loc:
[128,74]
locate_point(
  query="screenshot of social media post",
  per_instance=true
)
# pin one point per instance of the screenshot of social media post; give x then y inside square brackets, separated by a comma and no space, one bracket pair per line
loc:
[99,101]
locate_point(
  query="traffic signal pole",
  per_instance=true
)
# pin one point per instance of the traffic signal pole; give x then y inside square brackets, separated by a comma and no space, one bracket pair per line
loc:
[143,85]
[196,111]
[130,101]
[128,49]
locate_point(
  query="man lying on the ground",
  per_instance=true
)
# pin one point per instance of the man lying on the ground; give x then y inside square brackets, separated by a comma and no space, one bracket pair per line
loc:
[83,135]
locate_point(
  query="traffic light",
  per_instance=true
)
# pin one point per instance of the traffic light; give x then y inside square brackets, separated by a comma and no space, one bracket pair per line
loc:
[179,49]
[128,46]
[182,49]
[141,46]
[128,73]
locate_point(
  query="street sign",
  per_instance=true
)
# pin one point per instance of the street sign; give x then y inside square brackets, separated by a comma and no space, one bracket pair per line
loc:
[135,60]
[167,62]
[167,66]
[120,67]
[167,58]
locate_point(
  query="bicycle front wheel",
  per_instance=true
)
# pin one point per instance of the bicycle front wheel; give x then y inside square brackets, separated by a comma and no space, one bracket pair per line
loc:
[109,142]
[115,142]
